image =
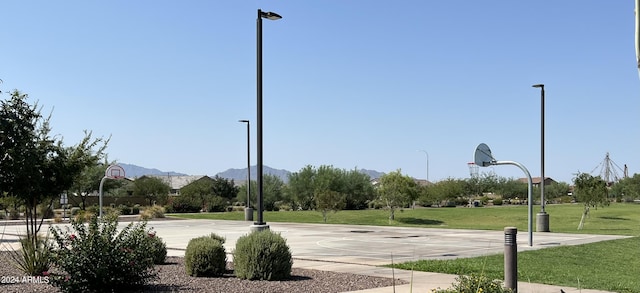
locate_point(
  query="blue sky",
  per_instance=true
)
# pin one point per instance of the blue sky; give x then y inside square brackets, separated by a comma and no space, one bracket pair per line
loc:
[357,83]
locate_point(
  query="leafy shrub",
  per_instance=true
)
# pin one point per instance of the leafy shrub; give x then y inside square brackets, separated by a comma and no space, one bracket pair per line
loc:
[184,204]
[125,210]
[217,237]
[205,256]
[95,257]
[497,201]
[475,284]
[34,257]
[262,255]
[217,204]
[157,248]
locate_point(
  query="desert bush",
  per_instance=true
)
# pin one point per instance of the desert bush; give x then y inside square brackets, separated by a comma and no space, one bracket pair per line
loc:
[83,216]
[34,257]
[475,284]
[262,255]
[96,258]
[156,211]
[74,211]
[205,256]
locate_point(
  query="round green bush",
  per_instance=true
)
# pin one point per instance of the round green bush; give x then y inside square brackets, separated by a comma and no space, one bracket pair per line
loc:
[157,248]
[217,237]
[205,256]
[262,255]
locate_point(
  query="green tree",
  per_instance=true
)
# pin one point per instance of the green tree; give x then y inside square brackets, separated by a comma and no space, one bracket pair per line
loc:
[301,187]
[591,191]
[396,191]
[627,188]
[224,188]
[512,188]
[354,185]
[273,192]
[327,189]
[357,189]
[36,168]
[152,189]
[449,189]
[242,193]
[200,190]
[329,200]
[556,190]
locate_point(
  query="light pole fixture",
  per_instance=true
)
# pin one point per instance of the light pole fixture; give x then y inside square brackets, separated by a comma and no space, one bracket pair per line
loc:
[542,218]
[260,224]
[425,152]
[248,211]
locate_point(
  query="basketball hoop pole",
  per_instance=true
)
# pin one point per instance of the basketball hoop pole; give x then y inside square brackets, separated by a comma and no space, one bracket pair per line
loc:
[112,172]
[100,204]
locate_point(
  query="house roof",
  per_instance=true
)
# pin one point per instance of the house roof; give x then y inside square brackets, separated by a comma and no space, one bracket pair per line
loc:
[535,180]
[177,182]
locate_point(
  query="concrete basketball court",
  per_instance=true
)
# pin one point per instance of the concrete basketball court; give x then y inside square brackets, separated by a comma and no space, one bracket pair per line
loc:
[360,249]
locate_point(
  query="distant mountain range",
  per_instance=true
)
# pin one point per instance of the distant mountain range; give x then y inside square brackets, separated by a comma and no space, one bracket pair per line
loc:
[133,171]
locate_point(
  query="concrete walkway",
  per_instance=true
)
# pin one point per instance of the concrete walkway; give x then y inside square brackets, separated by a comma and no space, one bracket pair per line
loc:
[362,249]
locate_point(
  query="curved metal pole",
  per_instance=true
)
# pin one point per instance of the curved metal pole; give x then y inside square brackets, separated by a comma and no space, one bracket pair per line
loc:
[529,196]
[100,201]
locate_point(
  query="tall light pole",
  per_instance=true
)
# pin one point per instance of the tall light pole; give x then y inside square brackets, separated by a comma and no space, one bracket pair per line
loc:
[248,211]
[425,152]
[542,218]
[260,224]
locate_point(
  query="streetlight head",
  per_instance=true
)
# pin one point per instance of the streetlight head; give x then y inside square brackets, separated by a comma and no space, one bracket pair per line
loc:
[243,121]
[270,15]
[540,85]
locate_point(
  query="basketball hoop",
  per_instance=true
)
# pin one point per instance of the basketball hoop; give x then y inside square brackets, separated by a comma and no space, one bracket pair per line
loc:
[114,172]
[473,169]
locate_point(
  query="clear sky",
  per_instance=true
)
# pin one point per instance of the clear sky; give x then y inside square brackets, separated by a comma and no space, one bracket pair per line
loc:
[363,84]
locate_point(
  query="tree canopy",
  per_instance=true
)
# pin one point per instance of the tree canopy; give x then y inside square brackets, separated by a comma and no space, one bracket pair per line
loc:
[36,168]
[396,191]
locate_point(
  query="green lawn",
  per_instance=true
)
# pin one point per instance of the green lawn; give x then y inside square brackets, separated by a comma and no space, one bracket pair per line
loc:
[616,219]
[608,265]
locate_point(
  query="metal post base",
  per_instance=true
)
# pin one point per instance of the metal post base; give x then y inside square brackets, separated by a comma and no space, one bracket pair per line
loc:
[248,214]
[258,228]
[542,222]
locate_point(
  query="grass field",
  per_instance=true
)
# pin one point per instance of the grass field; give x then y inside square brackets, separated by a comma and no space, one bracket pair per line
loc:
[608,265]
[616,219]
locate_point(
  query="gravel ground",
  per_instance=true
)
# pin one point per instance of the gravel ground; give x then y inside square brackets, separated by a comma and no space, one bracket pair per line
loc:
[173,278]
